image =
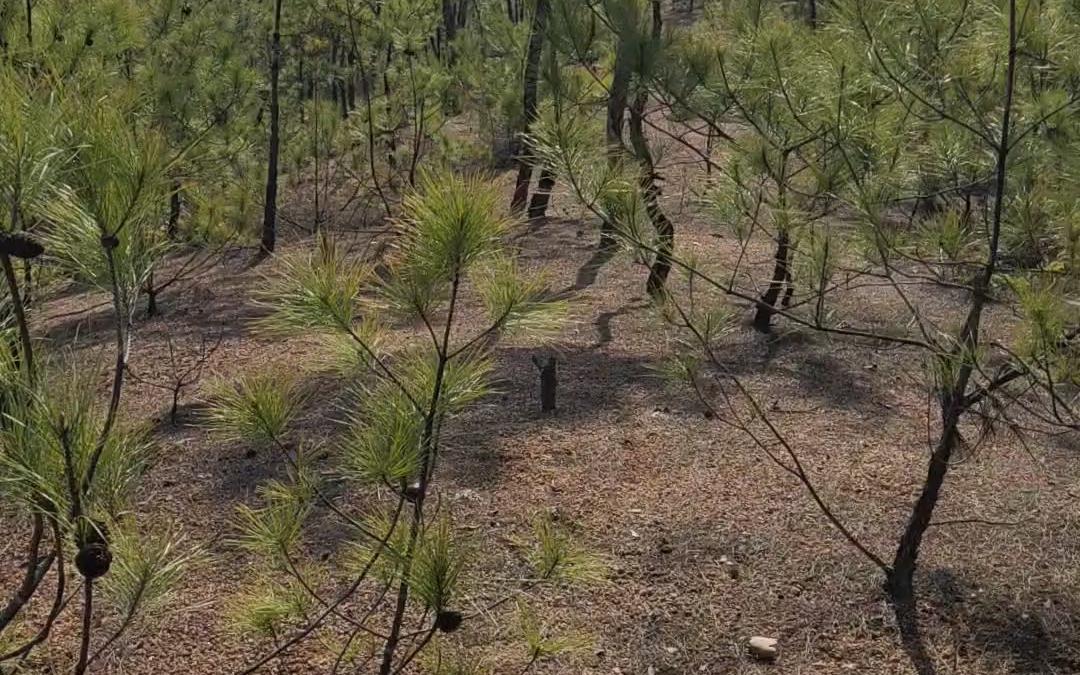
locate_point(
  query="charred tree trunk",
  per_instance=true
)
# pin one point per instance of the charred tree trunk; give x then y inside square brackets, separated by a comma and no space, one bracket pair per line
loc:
[449,28]
[173,228]
[269,227]
[781,274]
[549,382]
[28,279]
[301,89]
[152,292]
[462,13]
[531,78]
[616,119]
[350,84]
[665,229]
[391,153]
[538,205]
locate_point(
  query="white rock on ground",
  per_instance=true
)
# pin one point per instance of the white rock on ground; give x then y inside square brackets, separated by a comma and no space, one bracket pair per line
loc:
[764,648]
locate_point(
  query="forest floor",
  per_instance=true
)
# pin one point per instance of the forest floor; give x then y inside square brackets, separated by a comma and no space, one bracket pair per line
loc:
[708,542]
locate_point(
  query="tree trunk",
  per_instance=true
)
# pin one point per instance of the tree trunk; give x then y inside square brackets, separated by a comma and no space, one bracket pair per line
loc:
[782,263]
[29,25]
[549,382]
[900,583]
[350,84]
[28,280]
[616,118]
[538,205]
[335,83]
[391,151]
[152,292]
[532,75]
[449,28]
[174,213]
[269,228]
[665,229]
[26,358]
[301,88]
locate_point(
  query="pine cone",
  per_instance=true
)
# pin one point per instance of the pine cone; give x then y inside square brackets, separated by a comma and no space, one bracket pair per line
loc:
[20,245]
[93,560]
[448,621]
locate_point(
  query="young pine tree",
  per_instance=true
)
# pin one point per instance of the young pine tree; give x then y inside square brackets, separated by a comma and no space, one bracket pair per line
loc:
[404,555]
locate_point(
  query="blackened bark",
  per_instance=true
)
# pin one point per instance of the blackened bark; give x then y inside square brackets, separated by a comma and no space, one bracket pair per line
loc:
[616,119]
[350,83]
[531,78]
[174,213]
[665,229]
[781,274]
[269,227]
[549,382]
[538,205]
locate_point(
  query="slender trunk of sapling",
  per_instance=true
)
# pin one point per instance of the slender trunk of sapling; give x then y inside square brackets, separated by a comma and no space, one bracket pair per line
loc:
[781,274]
[616,117]
[900,583]
[174,213]
[428,449]
[529,102]
[269,227]
[665,229]
[26,357]
[538,205]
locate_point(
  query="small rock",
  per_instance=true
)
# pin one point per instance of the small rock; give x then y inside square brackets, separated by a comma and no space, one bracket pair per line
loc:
[651,671]
[634,534]
[764,648]
[670,650]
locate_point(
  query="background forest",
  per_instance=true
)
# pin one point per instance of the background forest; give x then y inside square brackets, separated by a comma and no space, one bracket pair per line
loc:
[507,336]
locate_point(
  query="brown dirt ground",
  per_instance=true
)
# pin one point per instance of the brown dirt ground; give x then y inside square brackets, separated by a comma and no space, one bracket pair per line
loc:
[638,474]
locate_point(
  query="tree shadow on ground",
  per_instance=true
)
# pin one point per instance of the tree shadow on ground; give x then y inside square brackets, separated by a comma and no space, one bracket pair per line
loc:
[801,364]
[590,270]
[592,383]
[1032,636]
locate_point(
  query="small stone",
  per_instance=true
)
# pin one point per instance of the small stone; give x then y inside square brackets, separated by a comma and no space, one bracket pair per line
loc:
[651,671]
[764,648]
[670,650]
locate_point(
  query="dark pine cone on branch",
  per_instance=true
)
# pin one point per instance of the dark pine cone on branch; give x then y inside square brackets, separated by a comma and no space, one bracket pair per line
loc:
[20,245]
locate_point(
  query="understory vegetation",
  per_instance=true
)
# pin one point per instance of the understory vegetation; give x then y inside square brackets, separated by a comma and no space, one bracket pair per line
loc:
[870,177]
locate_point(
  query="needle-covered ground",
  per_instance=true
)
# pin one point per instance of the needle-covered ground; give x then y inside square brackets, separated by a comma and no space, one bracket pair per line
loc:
[707,541]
